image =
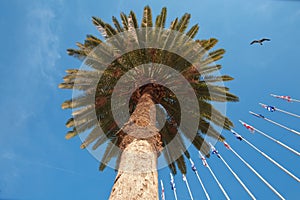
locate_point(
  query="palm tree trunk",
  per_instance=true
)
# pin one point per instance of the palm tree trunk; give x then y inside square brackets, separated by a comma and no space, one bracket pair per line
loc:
[137,177]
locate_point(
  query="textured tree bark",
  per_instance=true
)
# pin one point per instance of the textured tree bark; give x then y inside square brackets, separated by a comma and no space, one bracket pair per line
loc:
[137,177]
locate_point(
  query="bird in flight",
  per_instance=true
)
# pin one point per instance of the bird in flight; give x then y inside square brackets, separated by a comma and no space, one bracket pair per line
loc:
[260,41]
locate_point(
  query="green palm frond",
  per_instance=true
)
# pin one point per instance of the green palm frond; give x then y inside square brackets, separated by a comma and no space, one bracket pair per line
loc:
[174,24]
[170,160]
[110,152]
[71,134]
[209,69]
[193,31]
[100,25]
[147,17]
[201,145]
[110,31]
[207,44]
[93,136]
[161,19]
[124,21]
[117,24]
[209,130]
[77,53]
[183,23]
[181,164]
[213,79]
[134,19]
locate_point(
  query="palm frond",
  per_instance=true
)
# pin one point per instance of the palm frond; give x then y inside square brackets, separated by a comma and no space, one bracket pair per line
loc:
[193,31]
[174,24]
[209,130]
[181,164]
[147,17]
[208,44]
[110,152]
[94,135]
[169,160]
[71,134]
[117,24]
[209,69]
[213,79]
[134,19]
[124,21]
[213,56]
[161,19]
[183,23]
[201,145]
[79,54]
[100,25]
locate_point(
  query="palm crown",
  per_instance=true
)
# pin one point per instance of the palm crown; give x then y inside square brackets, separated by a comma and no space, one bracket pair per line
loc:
[203,82]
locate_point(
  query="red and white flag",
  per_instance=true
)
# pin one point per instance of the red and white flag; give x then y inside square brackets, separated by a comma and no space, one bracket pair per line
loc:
[247,126]
[226,145]
[203,161]
[288,98]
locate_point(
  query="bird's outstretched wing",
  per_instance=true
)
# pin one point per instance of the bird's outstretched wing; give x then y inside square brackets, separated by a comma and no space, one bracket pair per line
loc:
[265,39]
[254,41]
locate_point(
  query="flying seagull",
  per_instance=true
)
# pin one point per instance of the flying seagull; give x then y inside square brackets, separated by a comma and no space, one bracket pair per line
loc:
[260,41]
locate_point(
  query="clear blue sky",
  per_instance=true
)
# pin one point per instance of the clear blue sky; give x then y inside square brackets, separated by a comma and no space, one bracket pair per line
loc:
[36,162]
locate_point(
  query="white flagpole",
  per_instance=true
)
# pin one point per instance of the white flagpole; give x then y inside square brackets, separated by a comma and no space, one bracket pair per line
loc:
[217,181]
[237,178]
[187,185]
[199,179]
[162,190]
[277,141]
[257,174]
[281,97]
[273,161]
[173,186]
[283,111]
[280,125]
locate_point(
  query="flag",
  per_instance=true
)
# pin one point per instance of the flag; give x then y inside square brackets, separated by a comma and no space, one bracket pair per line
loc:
[204,161]
[250,128]
[238,136]
[226,145]
[183,178]
[256,115]
[215,151]
[269,108]
[162,190]
[193,165]
[172,182]
[288,98]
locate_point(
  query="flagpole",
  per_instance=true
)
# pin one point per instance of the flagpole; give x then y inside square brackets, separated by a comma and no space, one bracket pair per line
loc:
[173,186]
[277,141]
[217,181]
[200,181]
[280,97]
[257,174]
[273,161]
[280,125]
[283,111]
[187,185]
[162,190]
[237,178]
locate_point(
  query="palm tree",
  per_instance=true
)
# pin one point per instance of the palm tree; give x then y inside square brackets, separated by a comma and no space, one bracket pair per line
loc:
[138,143]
